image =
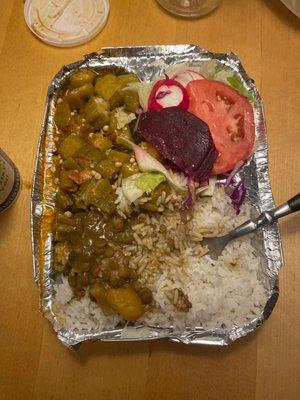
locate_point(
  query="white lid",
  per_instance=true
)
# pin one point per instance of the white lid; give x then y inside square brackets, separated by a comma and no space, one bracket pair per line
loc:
[66,23]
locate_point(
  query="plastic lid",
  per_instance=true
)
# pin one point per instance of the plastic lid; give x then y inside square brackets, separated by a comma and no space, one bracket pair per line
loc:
[66,23]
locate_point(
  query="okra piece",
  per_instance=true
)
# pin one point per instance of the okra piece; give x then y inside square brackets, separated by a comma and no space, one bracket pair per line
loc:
[59,267]
[107,205]
[88,155]
[129,169]
[70,163]
[68,228]
[82,77]
[131,101]
[107,168]
[107,85]
[63,200]
[128,78]
[76,97]
[85,193]
[119,156]
[98,193]
[78,125]
[62,114]
[96,112]
[100,141]
[66,184]
[70,145]
[123,133]
[117,99]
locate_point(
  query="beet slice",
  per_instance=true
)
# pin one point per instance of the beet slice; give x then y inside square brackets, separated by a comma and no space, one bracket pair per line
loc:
[181,138]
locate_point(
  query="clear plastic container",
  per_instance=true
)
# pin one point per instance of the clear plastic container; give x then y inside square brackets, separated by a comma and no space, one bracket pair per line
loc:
[189,8]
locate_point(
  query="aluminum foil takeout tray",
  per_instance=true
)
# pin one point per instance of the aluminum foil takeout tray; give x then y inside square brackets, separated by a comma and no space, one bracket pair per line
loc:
[148,62]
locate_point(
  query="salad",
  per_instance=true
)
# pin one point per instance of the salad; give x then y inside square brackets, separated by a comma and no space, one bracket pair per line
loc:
[215,143]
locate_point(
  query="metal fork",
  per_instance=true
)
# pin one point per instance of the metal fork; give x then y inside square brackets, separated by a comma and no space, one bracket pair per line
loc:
[216,244]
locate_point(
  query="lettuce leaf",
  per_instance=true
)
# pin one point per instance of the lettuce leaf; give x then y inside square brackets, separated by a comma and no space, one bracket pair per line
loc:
[136,185]
[238,85]
[148,181]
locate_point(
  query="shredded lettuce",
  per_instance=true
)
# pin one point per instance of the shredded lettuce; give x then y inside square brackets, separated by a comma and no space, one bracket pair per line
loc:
[148,181]
[130,190]
[136,185]
[208,191]
[123,117]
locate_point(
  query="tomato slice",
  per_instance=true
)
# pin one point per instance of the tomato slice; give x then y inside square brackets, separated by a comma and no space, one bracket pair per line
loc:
[229,116]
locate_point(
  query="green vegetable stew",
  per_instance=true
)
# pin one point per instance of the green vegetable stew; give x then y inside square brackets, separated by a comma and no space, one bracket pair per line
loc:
[94,111]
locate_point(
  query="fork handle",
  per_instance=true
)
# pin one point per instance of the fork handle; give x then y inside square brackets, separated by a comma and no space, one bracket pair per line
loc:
[267,217]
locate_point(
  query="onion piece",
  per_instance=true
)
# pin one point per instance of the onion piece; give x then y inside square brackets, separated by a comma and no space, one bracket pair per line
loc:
[191,198]
[236,169]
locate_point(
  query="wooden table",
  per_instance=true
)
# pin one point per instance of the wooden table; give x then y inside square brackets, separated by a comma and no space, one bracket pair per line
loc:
[34,364]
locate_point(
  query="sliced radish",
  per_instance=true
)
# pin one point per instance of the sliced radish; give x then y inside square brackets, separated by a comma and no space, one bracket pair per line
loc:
[187,76]
[168,93]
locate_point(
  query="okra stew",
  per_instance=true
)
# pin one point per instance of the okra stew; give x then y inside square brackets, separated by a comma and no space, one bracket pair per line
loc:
[95,112]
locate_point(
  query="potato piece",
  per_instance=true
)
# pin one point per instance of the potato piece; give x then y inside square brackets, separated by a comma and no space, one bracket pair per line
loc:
[99,294]
[125,302]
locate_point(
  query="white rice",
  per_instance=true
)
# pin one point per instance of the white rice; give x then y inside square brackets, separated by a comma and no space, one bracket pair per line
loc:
[223,293]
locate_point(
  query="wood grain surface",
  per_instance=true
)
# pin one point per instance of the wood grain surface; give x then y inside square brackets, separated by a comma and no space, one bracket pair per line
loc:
[33,363]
